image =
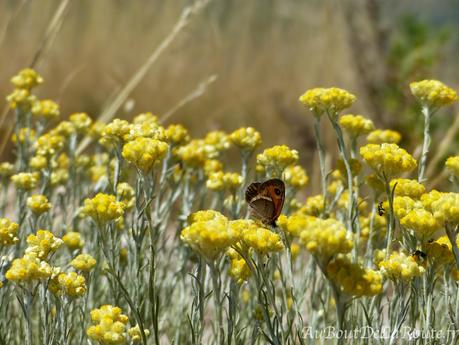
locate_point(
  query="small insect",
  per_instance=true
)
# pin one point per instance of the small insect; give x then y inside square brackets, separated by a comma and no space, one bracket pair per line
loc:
[419,256]
[266,200]
[381,209]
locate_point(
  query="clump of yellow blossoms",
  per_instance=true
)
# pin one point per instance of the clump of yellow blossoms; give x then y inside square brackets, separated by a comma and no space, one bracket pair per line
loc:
[21,99]
[218,140]
[45,109]
[177,135]
[296,176]
[48,144]
[439,251]
[196,153]
[8,232]
[219,181]
[71,284]
[325,238]
[407,187]
[277,158]
[109,325]
[387,160]
[354,279]
[446,208]
[114,133]
[135,333]
[25,181]
[29,268]
[239,269]
[103,208]
[314,206]
[81,121]
[23,135]
[144,153]
[262,240]
[43,243]
[126,194]
[422,222]
[332,99]
[400,266]
[452,165]
[209,234]
[6,170]
[294,224]
[73,240]
[381,136]
[38,204]
[433,93]
[246,139]
[356,125]
[83,262]
[27,79]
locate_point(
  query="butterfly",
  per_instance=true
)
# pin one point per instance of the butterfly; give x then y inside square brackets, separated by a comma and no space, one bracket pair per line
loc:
[266,200]
[381,209]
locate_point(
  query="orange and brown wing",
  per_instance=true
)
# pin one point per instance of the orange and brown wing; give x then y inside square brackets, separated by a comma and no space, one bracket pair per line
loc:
[252,192]
[275,190]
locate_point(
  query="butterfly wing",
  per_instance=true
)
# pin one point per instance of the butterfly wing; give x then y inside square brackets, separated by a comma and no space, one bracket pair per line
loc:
[262,209]
[266,199]
[275,189]
[252,192]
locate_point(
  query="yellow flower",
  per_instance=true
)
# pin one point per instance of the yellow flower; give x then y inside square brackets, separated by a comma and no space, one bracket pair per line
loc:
[314,205]
[239,269]
[45,109]
[145,118]
[81,121]
[6,169]
[73,240]
[296,176]
[433,93]
[136,335]
[387,159]
[25,181]
[212,166]
[71,284]
[343,202]
[83,262]
[217,139]
[109,325]
[38,162]
[144,153]
[295,224]
[439,251]
[262,240]
[49,144]
[115,132]
[103,208]
[209,234]
[219,181]
[146,130]
[29,268]
[446,208]
[356,125]
[38,204]
[325,238]
[126,194]
[26,79]
[21,98]
[452,165]
[196,153]
[422,222]
[428,198]
[177,135]
[43,243]
[400,266]
[25,133]
[246,139]
[333,100]
[277,158]
[407,187]
[352,278]
[380,136]
[8,232]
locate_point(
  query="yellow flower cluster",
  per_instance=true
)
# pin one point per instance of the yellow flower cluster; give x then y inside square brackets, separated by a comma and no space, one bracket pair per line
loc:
[219,181]
[43,243]
[296,176]
[25,181]
[439,251]
[146,130]
[381,136]
[45,109]
[356,125]
[209,234]
[325,238]
[49,144]
[422,222]
[126,194]
[196,153]
[29,268]
[452,165]
[6,169]
[71,284]
[8,232]
[332,99]
[407,187]
[109,325]
[239,269]
[23,135]
[433,93]
[135,333]
[246,139]
[262,240]
[446,208]
[144,153]
[218,140]
[81,121]
[294,224]
[73,240]
[103,208]
[277,158]
[38,204]
[400,266]
[352,278]
[177,135]
[114,133]
[27,79]
[83,262]
[21,99]
[314,206]
[387,159]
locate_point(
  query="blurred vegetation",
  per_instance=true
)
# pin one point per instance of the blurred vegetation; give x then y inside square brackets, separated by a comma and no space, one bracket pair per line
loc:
[265,53]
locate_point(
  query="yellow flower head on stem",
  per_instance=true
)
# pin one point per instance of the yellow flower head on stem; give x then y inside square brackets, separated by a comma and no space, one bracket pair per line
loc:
[27,79]
[400,266]
[276,159]
[103,208]
[381,136]
[144,153]
[246,139]
[38,204]
[433,93]
[83,262]
[356,125]
[8,232]
[296,176]
[332,99]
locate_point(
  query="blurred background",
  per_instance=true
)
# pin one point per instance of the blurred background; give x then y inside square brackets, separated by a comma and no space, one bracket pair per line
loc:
[264,54]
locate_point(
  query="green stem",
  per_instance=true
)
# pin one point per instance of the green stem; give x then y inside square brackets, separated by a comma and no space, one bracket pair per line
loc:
[216,284]
[321,151]
[391,224]
[425,144]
